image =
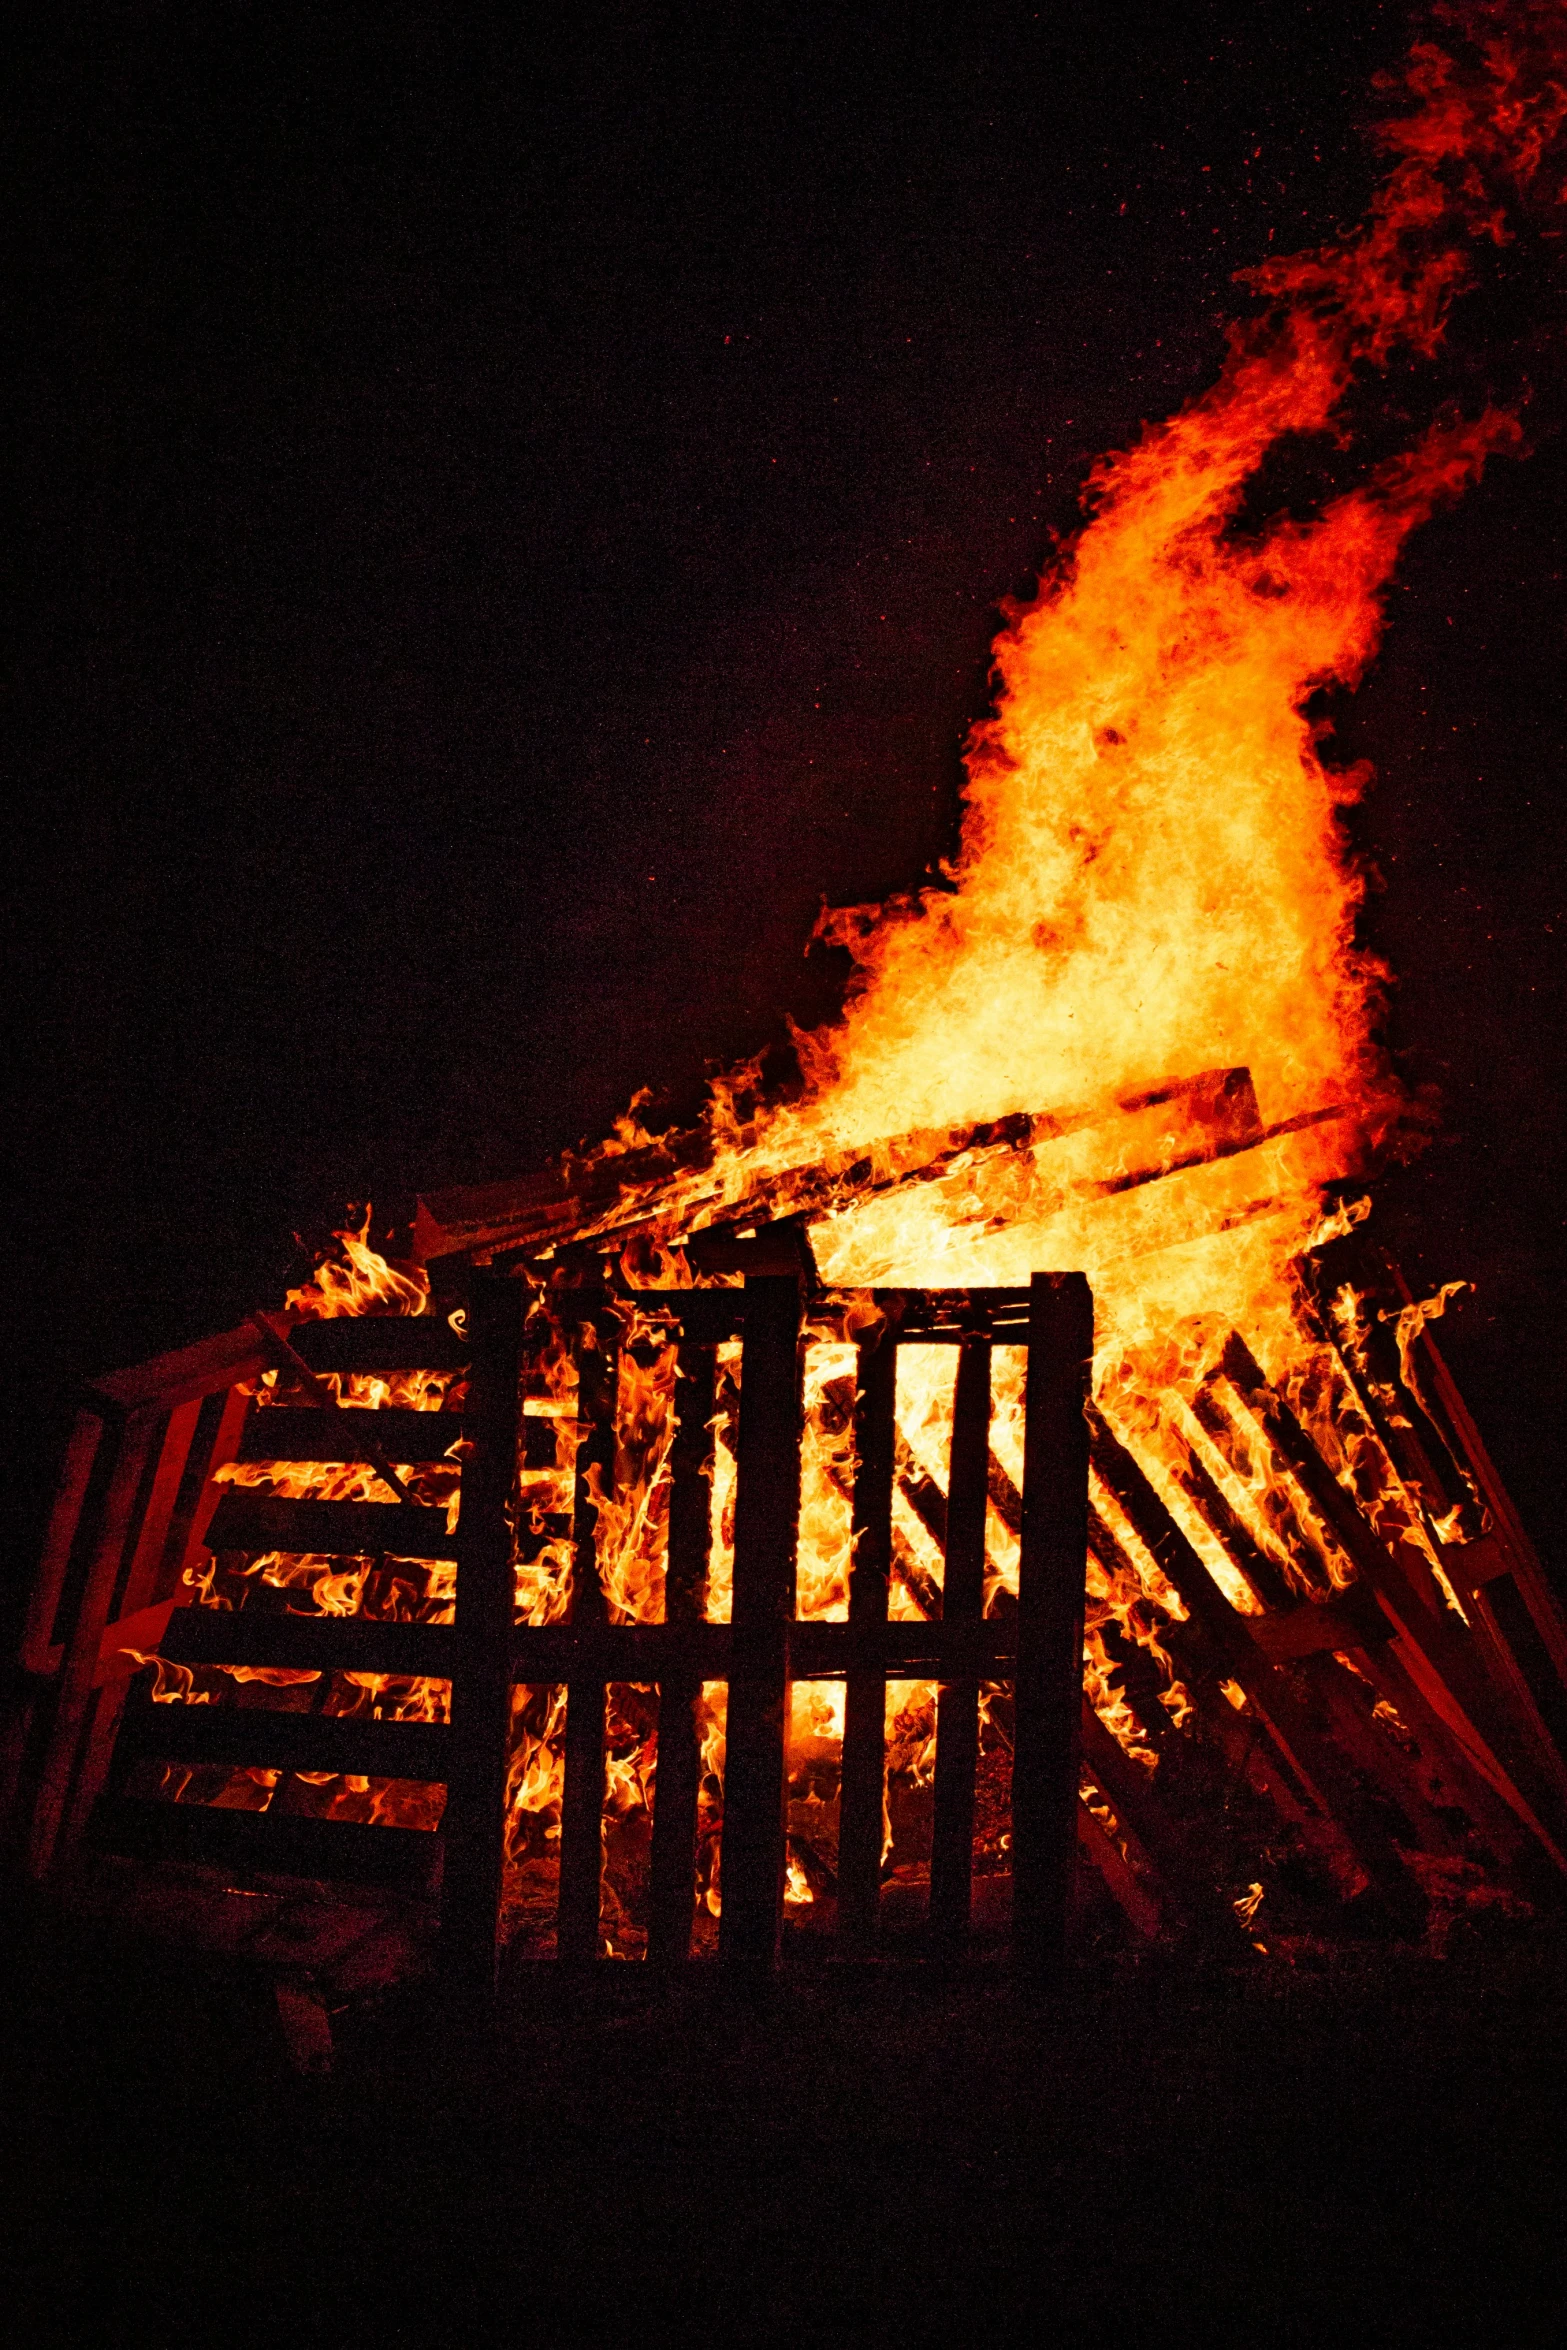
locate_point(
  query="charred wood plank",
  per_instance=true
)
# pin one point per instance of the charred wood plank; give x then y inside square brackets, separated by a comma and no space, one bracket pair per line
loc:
[1225,1647]
[1127,1887]
[480,1736]
[672,1863]
[381,1342]
[1049,1678]
[1512,1730]
[135,1585]
[262,1738]
[767,1503]
[246,1520]
[41,1653]
[79,1670]
[861,1792]
[582,1796]
[278,1843]
[963,1598]
[300,1642]
[286,1432]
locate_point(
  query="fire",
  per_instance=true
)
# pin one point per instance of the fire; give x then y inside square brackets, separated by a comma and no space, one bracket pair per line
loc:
[1154,887]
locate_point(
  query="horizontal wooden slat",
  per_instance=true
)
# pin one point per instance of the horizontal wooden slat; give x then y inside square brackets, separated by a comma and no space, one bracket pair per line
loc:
[167,1380]
[645,1652]
[270,1841]
[330,1644]
[380,1342]
[245,1520]
[706,1316]
[956,1313]
[289,1434]
[258,1737]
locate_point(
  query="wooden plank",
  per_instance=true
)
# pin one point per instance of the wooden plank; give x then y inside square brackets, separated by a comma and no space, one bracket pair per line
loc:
[284,1432]
[154,1531]
[963,1601]
[382,1342]
[817,1651]
[80,1666]
[270,1842]
[767,1509]
[480,1737]
[1217,1642]
[1212,1505]
[1051,1579]
[652,1189]
[225,1444]
[702,1317]
[192,1371]
[1479,1675]
[1549,1618]
[135,1590]
[1136,1903]
[252,1521]
[41,1653]
[260,1737]
[863,1783]
[582,1794]
[672,1866]
[329,1644]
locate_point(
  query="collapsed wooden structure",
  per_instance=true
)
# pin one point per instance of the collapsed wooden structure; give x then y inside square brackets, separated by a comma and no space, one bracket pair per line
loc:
[1356,1716]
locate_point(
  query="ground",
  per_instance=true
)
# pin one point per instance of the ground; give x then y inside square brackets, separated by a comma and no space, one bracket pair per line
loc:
[1374,2152]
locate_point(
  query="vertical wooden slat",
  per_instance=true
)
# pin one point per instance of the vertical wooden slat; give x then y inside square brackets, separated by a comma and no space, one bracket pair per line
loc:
[582,1795]
[225,1445]
[767,1511]
[862,1789]
[672,1868]
[81,1650]
[474,1824]
[1054,1549]
[39,1651]
[109,1703]
[160,1507]
[963,1602]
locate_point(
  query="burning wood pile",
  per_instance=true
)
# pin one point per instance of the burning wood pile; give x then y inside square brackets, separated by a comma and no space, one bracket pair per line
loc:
[1323,1680]
[1000,1479]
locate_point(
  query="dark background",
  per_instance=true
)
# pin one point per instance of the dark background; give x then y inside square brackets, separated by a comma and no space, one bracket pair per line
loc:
[514,512]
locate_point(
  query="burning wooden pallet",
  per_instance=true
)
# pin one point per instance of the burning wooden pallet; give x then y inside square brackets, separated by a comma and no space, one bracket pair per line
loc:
[1327,1682]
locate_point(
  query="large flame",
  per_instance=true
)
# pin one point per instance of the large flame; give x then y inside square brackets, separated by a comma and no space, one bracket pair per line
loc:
[1154,882]
[1154,877]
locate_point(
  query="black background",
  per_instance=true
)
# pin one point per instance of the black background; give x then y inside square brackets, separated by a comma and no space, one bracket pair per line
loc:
[514,513]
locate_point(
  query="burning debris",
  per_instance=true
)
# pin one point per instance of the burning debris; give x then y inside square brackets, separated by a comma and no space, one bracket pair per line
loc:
[696,1533]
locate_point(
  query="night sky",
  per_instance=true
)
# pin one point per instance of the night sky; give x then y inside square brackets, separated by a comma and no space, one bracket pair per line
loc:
[514,512]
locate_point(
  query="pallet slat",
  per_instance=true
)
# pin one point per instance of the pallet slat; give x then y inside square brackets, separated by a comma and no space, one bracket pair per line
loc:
[380,1342]
[250,1521]
[480,1735]
[285,1432]
[582,1795]
[269,1842]
[767,1506]
[259,1737]
[672,1861]
[1049,1682]
[865,1710]
[329,1644]
[963,1600]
